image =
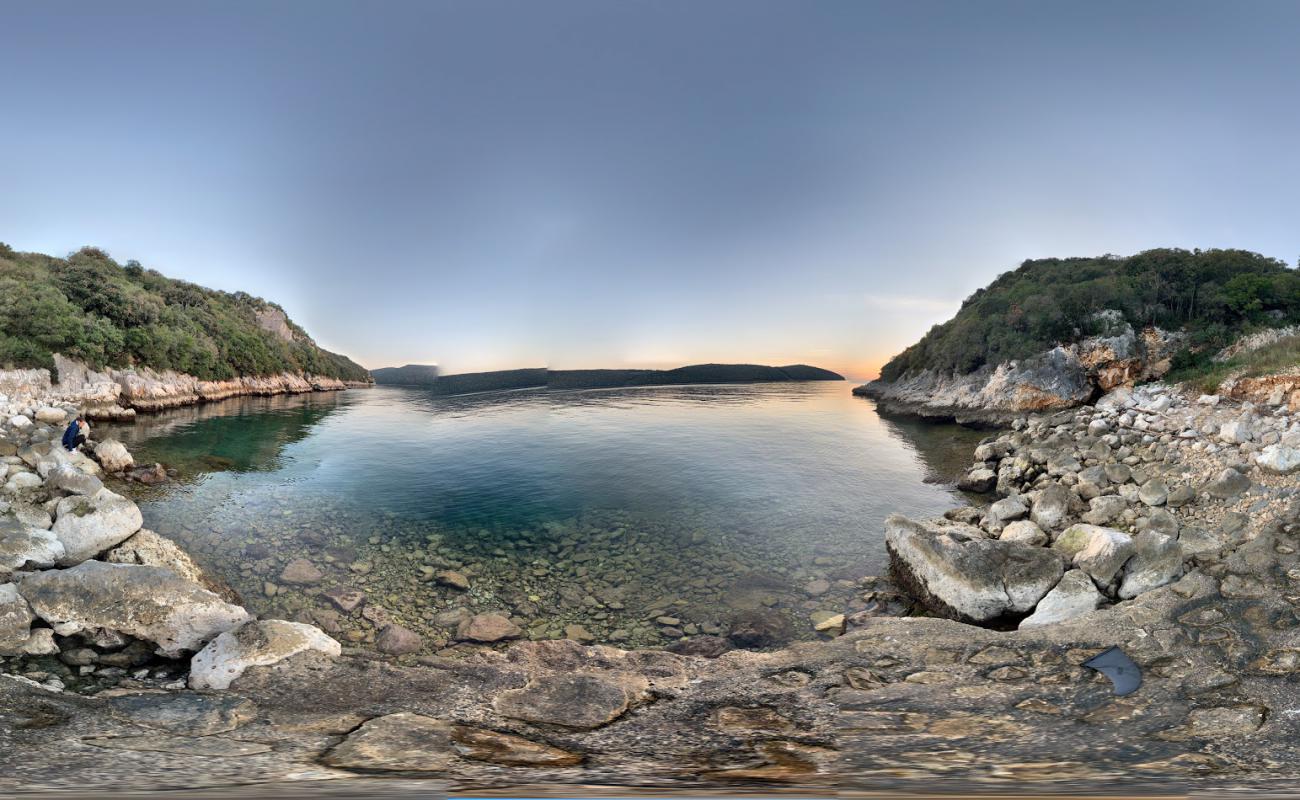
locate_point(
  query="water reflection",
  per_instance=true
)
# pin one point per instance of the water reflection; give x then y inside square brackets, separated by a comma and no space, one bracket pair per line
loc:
[606,509]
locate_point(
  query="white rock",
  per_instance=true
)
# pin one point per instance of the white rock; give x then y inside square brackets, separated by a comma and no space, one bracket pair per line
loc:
[16,634]
[1238,431]
[113,456]
[1074,595]
[50,415]
[149,603]
[24,547]
[1157,560]
[22,481]
[91,525]
[1208,399]
[20,421]
[1279,459]
[254,644]
[1098,551]
[1024,531]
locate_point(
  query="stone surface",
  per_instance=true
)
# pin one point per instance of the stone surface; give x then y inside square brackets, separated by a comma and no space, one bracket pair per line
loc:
[1051,508]
[572,701]
[25,548]
[452,580]
[148,549]
[1023,531]
[113,456]
[488,628]
[16,634]
[67,478]
[1098,551]
[1227,484]
[1075,594]
[259,643]
[149,603]
[186,714]
[1278,459]
[301,571]
[397,640]
[966,577]
[90,525]
[1157,560]
[401,742]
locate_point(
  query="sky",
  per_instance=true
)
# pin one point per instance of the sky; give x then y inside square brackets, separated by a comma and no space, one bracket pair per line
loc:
[600,183]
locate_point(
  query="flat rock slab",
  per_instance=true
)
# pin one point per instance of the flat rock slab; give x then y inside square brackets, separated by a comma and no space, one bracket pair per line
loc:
[209,746]
[255,644]
[572,701]
[186,714]
[401,742]
[150,603]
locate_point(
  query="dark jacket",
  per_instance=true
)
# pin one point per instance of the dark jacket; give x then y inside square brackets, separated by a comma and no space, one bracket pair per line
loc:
[70,436]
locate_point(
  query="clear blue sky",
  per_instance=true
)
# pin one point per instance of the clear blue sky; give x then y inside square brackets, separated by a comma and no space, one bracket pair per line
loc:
[489,184]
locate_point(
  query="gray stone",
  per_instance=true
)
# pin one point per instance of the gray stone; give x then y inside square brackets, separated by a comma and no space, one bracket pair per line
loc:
[488,628]
[113,456]
[963,577]
[1153,492]
[1157,560]
[397,640]
[1075,594]
[16,634]
[1228,484]
[1051,507]
[980,480]
[186,714]
[1104,509]
[23,547]
[259,643]
[1024,531]
[149,603]
[1098,551]
[572,701]
[301,571]
[90,525]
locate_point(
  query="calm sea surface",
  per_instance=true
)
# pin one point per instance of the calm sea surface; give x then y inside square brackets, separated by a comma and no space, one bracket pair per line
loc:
[606,509]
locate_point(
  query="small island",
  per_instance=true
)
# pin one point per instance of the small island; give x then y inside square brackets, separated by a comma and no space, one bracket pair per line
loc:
[427,377]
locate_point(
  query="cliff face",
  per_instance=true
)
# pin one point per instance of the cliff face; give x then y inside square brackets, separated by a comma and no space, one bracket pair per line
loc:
[116,393]
[1065,376]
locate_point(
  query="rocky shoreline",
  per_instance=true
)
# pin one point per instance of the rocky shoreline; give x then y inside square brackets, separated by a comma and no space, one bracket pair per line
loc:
[117,394]
[1120,519]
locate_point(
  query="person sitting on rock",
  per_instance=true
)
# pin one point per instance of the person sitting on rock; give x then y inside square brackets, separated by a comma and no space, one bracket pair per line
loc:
[75,435]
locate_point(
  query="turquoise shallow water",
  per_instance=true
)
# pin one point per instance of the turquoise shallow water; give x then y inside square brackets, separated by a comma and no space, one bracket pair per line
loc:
[604,508]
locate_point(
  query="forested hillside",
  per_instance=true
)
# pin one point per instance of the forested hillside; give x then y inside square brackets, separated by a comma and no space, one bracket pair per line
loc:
[1213,295]
[88,307]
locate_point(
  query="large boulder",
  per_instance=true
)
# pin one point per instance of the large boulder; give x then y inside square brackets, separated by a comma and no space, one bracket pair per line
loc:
[254,644]
[1157,560]
[963,576]
[149,549]
[90,525]
[24,547]
[113,456]
[149,603]
[1074,595]
[1098,551]
[16,634]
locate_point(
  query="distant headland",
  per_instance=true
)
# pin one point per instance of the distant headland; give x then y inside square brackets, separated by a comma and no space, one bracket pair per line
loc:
[427,377]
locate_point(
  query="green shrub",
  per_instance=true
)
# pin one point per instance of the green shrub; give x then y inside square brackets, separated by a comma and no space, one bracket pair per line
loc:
[88,307]
[1214,295]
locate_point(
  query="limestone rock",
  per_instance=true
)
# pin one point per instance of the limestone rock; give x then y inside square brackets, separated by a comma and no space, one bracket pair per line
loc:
[149,549]
[1051,507]
[452,580]
[301,571]
[1098,551]
[149,603]
[979,480]
[16,634]
[1279,459]
[397,640]
[1228,484]
[1154,492]
[255,643]
[402,742]
[69,479]
[963,577]
[113,456]
[185,714]
[570,700]
[1074,595]
[89,525]
[23,547]
[50,415]
[488,628]
[1024,531]
[1157,560]
[1104,509]
[508,750]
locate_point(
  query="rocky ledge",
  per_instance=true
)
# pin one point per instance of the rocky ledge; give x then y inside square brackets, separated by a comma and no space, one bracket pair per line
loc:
[892,702]
[120,393]
[1066,376]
